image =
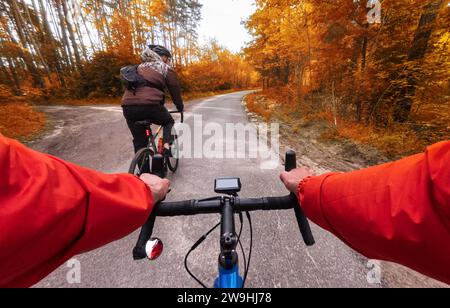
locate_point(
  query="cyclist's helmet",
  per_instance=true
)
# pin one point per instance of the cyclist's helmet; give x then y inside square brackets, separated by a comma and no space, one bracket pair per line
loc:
[161,50]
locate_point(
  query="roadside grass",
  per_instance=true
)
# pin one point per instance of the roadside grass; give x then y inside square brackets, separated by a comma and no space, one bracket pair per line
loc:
[396,141]
[21,121]
[259,105]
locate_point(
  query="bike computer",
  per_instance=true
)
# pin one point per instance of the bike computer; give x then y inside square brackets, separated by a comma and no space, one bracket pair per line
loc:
[228,186]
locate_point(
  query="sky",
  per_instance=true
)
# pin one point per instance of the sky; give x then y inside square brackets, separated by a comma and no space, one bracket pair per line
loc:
[221,19]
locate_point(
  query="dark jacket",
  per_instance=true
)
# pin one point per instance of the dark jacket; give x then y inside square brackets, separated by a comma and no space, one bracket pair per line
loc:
[154,95]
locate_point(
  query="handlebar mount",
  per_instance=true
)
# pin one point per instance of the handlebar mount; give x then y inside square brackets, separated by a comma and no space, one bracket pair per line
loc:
[227,206]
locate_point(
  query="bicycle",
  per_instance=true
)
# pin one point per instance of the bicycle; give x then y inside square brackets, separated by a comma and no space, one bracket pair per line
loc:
[227,205]
[143,161]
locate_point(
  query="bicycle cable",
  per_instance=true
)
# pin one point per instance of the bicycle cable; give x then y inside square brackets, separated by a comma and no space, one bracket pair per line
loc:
[251,247]
[200,240]
[203,238]
[241,219]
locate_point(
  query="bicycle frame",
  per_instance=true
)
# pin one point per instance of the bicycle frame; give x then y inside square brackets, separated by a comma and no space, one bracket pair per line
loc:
[228,279]
[152,138]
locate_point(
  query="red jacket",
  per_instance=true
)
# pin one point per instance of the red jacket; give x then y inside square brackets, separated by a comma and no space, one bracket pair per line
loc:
[397,212]
[51,210]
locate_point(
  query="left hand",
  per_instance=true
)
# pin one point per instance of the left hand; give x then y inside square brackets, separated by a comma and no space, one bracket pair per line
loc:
[159,187]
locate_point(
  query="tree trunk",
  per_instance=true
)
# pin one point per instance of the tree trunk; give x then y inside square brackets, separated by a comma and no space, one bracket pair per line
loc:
[78,31]
[417,52]
[27,57]
[65,60]
[45,24]
[15,79]
[49,36]
[5,78]
[72,36]
[87,30]
[36,10]
[10,79]
[66,44]
[99,27]
[365,42]
[33,38]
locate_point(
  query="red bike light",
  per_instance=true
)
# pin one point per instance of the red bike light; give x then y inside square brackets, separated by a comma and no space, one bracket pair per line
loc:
[154,248]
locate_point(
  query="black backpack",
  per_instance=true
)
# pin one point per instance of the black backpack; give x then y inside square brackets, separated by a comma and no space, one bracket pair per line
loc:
[132,80]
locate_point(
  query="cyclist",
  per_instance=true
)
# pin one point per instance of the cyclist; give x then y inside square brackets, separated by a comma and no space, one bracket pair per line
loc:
[51,210]
[147,102]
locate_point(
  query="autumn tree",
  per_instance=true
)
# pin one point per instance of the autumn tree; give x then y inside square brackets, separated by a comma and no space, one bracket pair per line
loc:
[329,55]
[217,69]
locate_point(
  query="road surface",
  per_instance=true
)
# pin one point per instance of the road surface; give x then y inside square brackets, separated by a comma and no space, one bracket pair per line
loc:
[97,137]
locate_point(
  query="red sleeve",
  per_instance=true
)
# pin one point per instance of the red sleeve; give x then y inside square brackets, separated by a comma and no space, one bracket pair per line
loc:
[398,212]
[51,210]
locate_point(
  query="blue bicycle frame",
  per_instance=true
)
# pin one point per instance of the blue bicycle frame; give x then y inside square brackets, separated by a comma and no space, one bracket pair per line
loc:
[228,279]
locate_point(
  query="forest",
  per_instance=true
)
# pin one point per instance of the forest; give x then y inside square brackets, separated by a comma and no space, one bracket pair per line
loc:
[65,48]
[378,71]
[367,66]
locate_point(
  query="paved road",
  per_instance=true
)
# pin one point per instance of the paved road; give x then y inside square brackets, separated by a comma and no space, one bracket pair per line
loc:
[97,137]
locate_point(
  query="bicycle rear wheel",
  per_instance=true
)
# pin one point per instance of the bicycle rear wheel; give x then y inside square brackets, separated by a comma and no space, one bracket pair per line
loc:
[174,160]
[142,162]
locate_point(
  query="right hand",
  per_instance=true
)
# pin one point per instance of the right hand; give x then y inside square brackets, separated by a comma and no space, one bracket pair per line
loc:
[159,187]
[292,179]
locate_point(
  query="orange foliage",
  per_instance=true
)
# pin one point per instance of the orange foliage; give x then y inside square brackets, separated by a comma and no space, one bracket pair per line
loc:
[329,51]
[20,120]
[217,69]
[328,57]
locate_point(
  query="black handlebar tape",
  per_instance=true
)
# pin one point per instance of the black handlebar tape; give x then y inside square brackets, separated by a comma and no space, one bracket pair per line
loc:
[146,233]
[187,208]
[291,161]
[280,203]
[170,209]
[305,228]
[303,223]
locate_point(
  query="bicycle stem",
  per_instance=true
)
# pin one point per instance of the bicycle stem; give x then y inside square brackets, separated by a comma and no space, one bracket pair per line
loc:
[228,239]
